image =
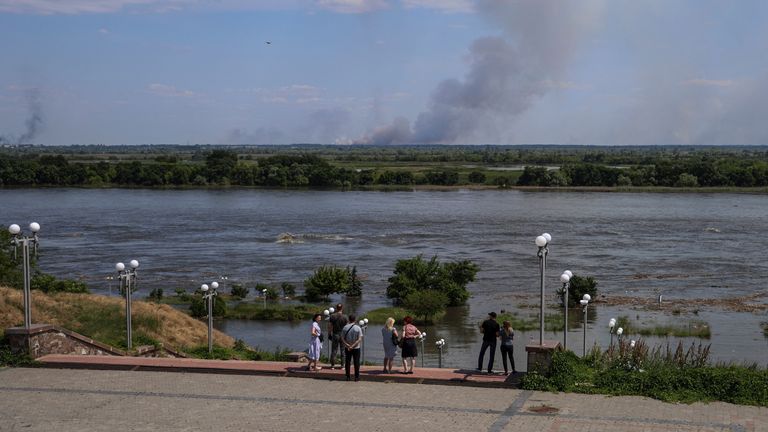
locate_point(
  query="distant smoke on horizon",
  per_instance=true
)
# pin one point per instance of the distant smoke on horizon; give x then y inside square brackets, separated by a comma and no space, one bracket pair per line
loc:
[34,122]
[506,74]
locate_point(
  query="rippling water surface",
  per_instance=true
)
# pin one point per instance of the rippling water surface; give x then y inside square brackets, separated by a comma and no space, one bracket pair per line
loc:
[679,245]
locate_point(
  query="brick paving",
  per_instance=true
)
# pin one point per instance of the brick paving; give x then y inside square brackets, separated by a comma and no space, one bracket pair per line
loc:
[68,400]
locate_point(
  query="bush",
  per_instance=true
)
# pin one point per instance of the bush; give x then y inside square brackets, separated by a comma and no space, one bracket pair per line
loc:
[49,284]
[155,295]
[239,291]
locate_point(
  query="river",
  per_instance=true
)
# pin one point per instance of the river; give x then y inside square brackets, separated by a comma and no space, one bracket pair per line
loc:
[682,246]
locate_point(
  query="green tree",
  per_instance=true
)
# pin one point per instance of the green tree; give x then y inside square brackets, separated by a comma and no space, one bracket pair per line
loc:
[426,304]
[355,284]
[289,289]
[687,180]
[416,274]
[220,164]
[476,177]
[325,281]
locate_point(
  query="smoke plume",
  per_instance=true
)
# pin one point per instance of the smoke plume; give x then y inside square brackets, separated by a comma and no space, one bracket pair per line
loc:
[34,122]
[506,75]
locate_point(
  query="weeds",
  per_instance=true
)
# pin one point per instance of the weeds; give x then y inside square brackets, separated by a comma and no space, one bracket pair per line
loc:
[662,372]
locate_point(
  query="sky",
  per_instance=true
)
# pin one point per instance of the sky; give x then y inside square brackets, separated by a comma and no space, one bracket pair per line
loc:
[592,72]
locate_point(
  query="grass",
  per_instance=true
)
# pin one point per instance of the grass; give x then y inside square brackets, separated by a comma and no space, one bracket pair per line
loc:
[380,315]
[239,351]
[552,322]
[672,375]
[256,311]
[694,328]
[103,319]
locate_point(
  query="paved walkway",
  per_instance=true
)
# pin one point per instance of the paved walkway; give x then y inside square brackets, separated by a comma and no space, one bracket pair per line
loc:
[87,400]
[236,367]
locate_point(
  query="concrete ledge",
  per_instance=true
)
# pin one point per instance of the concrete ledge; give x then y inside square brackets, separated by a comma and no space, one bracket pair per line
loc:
[284,369]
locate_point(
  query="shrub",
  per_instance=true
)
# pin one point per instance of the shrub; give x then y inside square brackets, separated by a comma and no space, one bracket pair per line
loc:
[156,294]
[476,177]
[49,284]
[239,291]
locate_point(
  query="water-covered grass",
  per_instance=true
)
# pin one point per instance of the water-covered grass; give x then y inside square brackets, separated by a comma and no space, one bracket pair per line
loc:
[552,322]
[274,312]
[692,328]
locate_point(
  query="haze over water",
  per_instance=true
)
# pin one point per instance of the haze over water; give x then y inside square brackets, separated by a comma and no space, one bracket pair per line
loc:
[678,245]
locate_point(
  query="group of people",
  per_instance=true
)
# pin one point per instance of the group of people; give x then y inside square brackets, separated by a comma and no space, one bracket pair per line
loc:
[346,338]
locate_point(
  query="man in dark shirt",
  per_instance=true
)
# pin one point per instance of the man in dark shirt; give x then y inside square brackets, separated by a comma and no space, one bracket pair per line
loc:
[336,323]
[490,329]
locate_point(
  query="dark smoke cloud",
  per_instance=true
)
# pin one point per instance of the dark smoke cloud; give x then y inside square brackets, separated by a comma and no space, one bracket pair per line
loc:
[399,132]
[34,122]
[507,74]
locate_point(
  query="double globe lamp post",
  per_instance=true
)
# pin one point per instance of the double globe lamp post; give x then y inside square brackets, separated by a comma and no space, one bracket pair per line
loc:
[208,296]
[542,242]
[585,303]
[327,313]
[363,323]
[565,278]
[440,344]
[19,239]
[127,281]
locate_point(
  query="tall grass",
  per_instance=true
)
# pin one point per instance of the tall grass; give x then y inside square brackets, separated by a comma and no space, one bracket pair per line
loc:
[663,372]
[693,328]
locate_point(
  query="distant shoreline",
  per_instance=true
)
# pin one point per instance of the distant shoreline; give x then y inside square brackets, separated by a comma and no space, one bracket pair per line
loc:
[434,188]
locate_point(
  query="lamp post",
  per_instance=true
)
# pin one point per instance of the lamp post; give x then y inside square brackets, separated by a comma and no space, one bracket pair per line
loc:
[565,278]
[363,323]
[422,336]
[208,296]
[126,282]
[542,242]
[327,313]
[585,303]
[619,332]
[264,294]
[19,239]
[611,326]
[440,344]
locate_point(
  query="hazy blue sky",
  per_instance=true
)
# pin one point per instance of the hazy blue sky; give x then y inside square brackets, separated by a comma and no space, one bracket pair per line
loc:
[384,71]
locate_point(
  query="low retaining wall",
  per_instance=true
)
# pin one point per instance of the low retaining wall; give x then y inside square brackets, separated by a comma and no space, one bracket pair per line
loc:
[44,339]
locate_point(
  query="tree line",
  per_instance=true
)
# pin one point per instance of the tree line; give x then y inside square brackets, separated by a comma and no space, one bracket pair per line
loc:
[227,167]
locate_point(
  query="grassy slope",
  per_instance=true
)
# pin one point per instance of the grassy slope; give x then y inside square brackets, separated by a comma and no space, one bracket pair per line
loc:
[102,318]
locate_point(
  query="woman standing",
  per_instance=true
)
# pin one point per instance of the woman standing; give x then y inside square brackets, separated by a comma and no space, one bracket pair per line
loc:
[315,344]
[389,336]
[410,333]
[507,334]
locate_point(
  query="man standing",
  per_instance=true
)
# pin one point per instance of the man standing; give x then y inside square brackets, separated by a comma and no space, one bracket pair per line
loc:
[336,324]
[352,337]
[490,329]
